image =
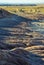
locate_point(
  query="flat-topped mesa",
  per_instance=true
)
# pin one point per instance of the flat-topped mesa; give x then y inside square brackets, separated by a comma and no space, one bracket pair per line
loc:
[4,13]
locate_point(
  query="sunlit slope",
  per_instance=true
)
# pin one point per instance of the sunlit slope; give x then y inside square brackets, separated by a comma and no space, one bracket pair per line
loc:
[26,9]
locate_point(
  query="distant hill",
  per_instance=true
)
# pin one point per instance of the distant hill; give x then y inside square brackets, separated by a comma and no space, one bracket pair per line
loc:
[17,4]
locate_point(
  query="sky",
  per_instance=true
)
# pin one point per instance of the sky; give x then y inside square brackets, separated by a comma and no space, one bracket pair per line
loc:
[21,1]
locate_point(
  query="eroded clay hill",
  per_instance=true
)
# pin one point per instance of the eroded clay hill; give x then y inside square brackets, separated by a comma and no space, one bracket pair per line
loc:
[19,44]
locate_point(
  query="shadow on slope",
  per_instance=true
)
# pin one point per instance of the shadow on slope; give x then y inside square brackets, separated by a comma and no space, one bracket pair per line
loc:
[19,57]
[4,13]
